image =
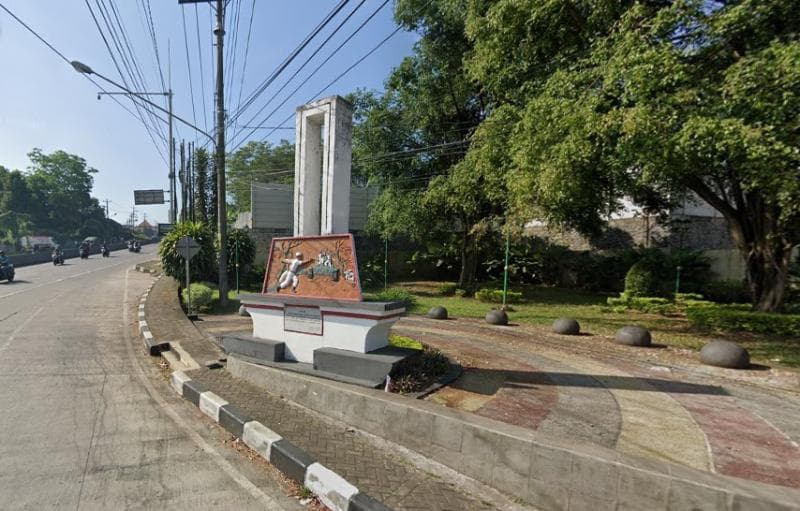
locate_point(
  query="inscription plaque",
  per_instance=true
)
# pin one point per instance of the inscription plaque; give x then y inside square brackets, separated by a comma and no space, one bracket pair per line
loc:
[307,320]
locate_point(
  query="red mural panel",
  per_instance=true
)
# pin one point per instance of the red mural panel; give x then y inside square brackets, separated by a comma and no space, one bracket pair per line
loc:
[313,267]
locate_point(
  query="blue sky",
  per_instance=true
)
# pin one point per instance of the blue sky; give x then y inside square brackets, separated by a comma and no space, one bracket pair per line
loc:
[46,104]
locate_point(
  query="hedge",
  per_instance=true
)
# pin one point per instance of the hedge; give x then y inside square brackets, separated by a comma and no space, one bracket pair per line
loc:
[653,305]
[496,296]
[733,317]
[202,295]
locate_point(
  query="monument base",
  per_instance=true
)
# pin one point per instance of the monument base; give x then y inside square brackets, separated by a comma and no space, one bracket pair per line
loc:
[304,325]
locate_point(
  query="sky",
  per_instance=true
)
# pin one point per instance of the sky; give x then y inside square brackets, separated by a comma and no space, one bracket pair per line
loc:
[45,103]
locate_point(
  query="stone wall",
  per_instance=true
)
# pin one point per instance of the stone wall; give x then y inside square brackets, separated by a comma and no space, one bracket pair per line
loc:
[689,232]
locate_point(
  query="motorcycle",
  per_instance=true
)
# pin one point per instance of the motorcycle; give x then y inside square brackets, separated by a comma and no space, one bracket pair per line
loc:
[58,258]
[7,272]
[105,251]
[137,248]
[84,253]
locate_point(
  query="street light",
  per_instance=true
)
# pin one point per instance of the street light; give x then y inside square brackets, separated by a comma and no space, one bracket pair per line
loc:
[219,145]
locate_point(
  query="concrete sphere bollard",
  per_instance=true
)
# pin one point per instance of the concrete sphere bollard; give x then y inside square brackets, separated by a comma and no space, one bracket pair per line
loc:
[566,326]
[243,311]
[725,354]
[633,336]
[437,312]
[497,317]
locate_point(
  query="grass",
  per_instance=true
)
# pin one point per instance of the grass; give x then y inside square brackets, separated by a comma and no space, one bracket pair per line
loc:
[401,341]
[542,306]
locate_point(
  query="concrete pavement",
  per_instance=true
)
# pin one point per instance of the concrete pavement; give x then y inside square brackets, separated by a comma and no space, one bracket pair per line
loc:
[88,422]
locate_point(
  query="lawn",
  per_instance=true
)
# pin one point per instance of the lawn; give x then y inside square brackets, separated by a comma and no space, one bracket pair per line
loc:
[543,305]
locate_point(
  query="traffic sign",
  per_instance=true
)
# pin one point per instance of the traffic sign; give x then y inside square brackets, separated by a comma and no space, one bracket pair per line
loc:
[165,228]
[188,247]
[142,197]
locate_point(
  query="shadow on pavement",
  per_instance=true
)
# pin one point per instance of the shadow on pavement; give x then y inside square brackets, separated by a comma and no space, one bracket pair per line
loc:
[489,381]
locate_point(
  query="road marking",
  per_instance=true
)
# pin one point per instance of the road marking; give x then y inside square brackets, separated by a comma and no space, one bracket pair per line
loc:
[224,464]
[62,279]
[19,329]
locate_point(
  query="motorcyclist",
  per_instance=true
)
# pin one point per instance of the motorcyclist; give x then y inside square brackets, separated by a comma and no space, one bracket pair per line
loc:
[4,260]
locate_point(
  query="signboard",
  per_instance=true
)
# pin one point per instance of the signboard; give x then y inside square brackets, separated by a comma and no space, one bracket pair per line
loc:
[165,228]
[306,320]
[143,197]
[188,247]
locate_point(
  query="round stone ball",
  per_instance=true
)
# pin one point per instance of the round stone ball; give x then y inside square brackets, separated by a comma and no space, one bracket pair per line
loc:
[243,311]
[633,336]
[497,317]
[725,354]
[566,326]
[437,312]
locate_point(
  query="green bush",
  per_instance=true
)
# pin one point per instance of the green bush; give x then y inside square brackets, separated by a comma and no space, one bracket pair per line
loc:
[732,317]
[496,296]
[641,280]
[726,291]
[202,295]
[241,240]
[202,265]
[396,294]
[652,305]
[461,293]
[447,289]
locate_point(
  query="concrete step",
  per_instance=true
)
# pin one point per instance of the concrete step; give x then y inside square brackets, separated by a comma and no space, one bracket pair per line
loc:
[249,346]
[371,366]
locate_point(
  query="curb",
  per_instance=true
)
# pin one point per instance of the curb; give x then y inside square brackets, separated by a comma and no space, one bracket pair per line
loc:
[144,269]
[153,346]
[332,489]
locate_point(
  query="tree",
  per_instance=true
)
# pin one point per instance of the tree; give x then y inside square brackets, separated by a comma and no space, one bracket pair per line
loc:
[201,199]
[15,205]
[60,184]
[658,98]
[259,162]
[408,140]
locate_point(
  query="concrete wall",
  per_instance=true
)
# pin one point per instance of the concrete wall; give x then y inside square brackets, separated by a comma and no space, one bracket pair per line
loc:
[272,207]
[544,471]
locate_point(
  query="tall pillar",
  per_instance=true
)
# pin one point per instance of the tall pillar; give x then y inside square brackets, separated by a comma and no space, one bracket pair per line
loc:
[323,158]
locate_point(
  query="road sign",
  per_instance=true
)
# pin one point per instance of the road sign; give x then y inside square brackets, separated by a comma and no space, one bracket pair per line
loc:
[188,247]
[165,228]
[143,197]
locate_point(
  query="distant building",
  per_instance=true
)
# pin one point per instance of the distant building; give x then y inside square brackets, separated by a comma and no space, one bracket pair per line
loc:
[37,243]
[146,229]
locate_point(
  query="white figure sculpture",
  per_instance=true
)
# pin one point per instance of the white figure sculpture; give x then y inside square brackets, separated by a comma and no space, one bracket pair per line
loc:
[289,277]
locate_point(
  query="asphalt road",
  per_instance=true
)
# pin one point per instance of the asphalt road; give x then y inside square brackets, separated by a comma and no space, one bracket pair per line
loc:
[86,419]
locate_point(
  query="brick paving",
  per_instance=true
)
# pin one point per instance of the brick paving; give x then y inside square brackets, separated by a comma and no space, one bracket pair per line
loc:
[376,471]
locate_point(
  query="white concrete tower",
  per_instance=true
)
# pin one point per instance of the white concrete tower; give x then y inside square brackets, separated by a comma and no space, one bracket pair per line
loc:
[323,157]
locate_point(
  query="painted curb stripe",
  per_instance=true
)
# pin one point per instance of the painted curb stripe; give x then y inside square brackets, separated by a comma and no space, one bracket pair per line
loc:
[210,404]
[290,459]
[330,487]
[177,379]
[260,438]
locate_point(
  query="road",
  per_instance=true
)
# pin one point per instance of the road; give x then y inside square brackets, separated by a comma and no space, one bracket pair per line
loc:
[88,421]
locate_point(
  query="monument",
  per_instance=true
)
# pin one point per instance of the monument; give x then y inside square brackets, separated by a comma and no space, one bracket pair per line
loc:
[310,315]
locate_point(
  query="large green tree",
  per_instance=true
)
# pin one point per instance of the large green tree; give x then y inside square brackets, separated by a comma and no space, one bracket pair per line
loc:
[409,140]
[658,99]
[60,185]
[15,205]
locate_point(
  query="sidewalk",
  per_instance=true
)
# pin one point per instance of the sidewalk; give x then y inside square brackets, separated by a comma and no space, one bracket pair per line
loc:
[391,474]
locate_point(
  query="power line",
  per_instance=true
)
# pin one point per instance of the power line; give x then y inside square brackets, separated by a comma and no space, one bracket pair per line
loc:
[200,59]
[308,59]
[288,60]
[246,51]
[189,66]
[341,75]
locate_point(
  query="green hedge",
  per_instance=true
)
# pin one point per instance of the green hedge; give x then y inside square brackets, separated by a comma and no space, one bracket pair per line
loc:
[653,305]
[396,294]
[447,289]
[496,296]
[202,295]
[736,317]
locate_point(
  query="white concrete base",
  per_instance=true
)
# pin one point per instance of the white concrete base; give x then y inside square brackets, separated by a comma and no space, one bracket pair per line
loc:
[356,326]
[331,488]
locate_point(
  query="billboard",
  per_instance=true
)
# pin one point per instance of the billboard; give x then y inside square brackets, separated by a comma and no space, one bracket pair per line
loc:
[142,197]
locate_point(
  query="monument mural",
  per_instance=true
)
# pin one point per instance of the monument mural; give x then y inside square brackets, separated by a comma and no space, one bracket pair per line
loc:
[313,267]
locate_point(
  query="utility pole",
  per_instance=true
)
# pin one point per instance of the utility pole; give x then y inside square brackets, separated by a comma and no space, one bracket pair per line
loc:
[105,225]
[222,226]
[172,215]
[183,180]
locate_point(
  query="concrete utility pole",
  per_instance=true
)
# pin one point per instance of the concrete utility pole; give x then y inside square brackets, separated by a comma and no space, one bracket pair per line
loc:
[172,215]
[222,225]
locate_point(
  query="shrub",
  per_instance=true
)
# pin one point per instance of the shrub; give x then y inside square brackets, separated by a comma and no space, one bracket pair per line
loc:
[241,240]
[461,293]
[447,289]
[641,280]
[652,305]
[496,296]
[416,373]
[733,317]
[202,265]
[396,294]
[726,291]
[202,295]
